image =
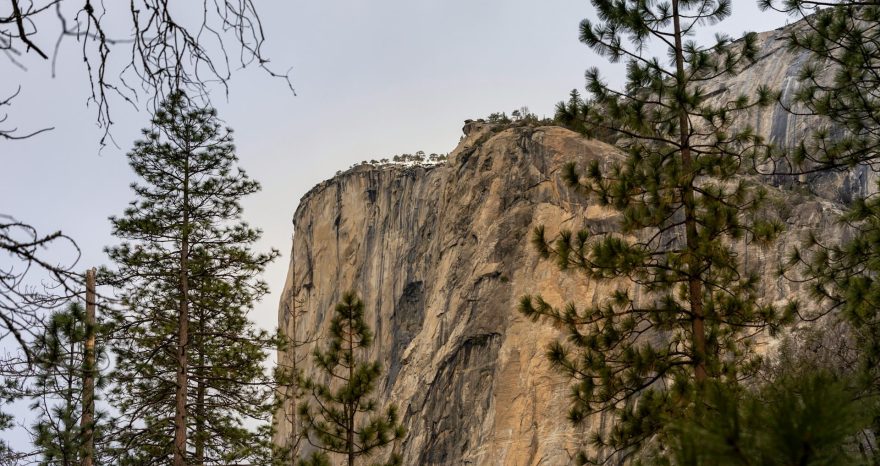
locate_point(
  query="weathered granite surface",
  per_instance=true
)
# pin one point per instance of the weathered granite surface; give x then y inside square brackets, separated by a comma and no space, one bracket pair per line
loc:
[778,68]
[440,255]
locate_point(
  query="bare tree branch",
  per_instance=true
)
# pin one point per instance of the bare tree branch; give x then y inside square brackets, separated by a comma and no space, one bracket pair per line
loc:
[10,133]
[188,47]
[31,283]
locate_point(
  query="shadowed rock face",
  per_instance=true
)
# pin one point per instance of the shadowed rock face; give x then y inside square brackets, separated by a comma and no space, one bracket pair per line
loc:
[440,255]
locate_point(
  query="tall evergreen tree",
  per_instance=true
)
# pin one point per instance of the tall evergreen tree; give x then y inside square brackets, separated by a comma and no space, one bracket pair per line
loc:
[840,89]
[682,209]
[189,372]
[56,391]
[339,418]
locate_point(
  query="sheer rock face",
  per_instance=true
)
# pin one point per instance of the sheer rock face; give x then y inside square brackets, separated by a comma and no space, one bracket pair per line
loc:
[440,255]
[779,68]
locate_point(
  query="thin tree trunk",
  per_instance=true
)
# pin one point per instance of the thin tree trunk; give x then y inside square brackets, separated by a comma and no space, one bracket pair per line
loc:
[292,394]
[183,331]
[695,287]
[72,454]
[88,384]
[351,413]
[199,412]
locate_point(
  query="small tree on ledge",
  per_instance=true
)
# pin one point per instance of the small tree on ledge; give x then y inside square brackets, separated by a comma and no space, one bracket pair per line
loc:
[341,418]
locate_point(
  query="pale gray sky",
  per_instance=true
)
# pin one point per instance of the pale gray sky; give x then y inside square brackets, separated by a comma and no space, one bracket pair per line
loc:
[373,79]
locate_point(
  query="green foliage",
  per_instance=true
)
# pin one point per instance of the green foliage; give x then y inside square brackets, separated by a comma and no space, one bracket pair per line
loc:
[318,458]
[572,114]
[419,159]
[839,89]
[839,83]
[519,117]
[56,389]
[499,118]
[807,418]
[686,306]
[843,279]
[190,189]
[341,417]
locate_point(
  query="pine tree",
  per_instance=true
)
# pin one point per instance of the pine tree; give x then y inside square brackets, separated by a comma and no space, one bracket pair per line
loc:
[56,391]
[189,372]
[843,278]
[682,206]
[340,417]
[840,90]
[572,114]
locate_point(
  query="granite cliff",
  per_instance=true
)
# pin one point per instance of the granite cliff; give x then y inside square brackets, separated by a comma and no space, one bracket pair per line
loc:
[441,254]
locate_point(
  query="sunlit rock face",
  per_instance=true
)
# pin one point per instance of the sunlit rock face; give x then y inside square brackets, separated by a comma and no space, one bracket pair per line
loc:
[441,254]
[440,257]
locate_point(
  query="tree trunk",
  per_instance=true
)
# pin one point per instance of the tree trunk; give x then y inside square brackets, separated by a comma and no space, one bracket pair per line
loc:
[292,394]
[199,411]
[695,286]
[353,408]
[88,384]
[73,454]
[183,331]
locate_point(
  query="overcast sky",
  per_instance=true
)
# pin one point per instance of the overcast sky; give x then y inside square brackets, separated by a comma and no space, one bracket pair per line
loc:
[373,79]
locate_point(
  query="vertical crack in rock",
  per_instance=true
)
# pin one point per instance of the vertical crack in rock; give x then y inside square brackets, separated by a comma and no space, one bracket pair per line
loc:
[462,390]
[406,323]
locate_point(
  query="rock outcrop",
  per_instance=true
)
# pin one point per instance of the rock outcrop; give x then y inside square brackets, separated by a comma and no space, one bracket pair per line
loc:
[440,255]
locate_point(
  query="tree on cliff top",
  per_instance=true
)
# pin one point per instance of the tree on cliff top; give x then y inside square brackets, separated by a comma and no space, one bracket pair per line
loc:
[686,306]
[189,363]
[340,418]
